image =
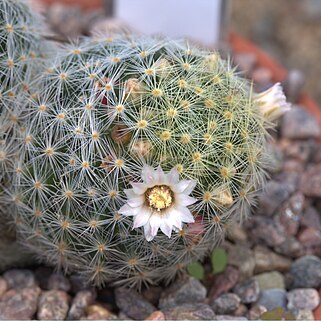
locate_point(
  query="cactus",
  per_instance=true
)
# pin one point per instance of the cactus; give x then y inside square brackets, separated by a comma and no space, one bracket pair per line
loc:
[137,120]
[21,58]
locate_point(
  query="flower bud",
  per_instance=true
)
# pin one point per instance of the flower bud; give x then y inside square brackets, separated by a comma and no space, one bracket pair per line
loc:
[272,102]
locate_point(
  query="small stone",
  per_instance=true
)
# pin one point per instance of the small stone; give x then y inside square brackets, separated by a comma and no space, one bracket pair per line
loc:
[255,312]
[53,305]
[266,261]
[236,233]
[185,290]
[80,303]
[57,281]
[299,124]
[293,85]
[152,294]
[290,214]
[262,75]
[42,274]
[317,311]
[266,230]
[279,192]
[18,279]
[293,165]
[306,272]
[190,311]
[78,283]
[311,218]
[310,183]
[242,257]
[226,304]
[99,312]
[19,304]
[291,247]
[241,310]
[270,280]
[230,317]
[156,316]
[272,299]
[303,299]
[3,286]
[224,282]
[133,303]
[310,238]
[304,151]
[248,291]
[304,315]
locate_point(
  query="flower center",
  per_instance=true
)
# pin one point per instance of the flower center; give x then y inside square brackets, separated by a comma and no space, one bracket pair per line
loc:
[159,197]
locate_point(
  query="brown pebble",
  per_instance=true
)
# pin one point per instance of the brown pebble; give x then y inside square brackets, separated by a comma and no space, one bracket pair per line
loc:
[3,286]
[53,305]
[80,303]
[224,282]
[99,312]
[156,315]
[19,304]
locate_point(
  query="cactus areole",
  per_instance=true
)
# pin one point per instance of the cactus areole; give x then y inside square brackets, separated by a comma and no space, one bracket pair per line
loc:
[136,155]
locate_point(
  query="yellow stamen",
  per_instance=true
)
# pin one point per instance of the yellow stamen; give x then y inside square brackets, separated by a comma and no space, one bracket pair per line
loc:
[159,197]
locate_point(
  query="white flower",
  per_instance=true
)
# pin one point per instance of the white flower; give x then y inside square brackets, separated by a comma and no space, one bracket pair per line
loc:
[160,201]
[272,102]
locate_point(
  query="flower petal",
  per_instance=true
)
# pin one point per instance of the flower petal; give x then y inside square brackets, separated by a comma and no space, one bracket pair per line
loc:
[147,231]
[173,217]
[185,187]
[272,102]
[173,176]
[130,193]
[128,211]
[148,174]
[184,200]
[166,228]
[185,215]
[142,217]
[159,176]
[139,188]
[155,222]
[137,201]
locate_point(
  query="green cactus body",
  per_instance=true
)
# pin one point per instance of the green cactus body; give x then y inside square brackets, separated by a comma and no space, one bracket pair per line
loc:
[21,58]
[105,109]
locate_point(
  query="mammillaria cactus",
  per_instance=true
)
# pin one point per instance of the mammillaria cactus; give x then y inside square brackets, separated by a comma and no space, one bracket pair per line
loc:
[20,61]
[137,154]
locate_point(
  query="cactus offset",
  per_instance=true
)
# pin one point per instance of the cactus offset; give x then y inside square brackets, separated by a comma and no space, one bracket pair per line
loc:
[21,58]
[105,109]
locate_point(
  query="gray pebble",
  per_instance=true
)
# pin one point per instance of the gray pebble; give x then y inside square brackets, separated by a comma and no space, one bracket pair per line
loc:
[18,279]
[226,304]
[248,291]
[57,281]
[303,299]
[185,290]
[299,124]
[305,272]
[273,298]
[190,311]
[80,302]
[133,303]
